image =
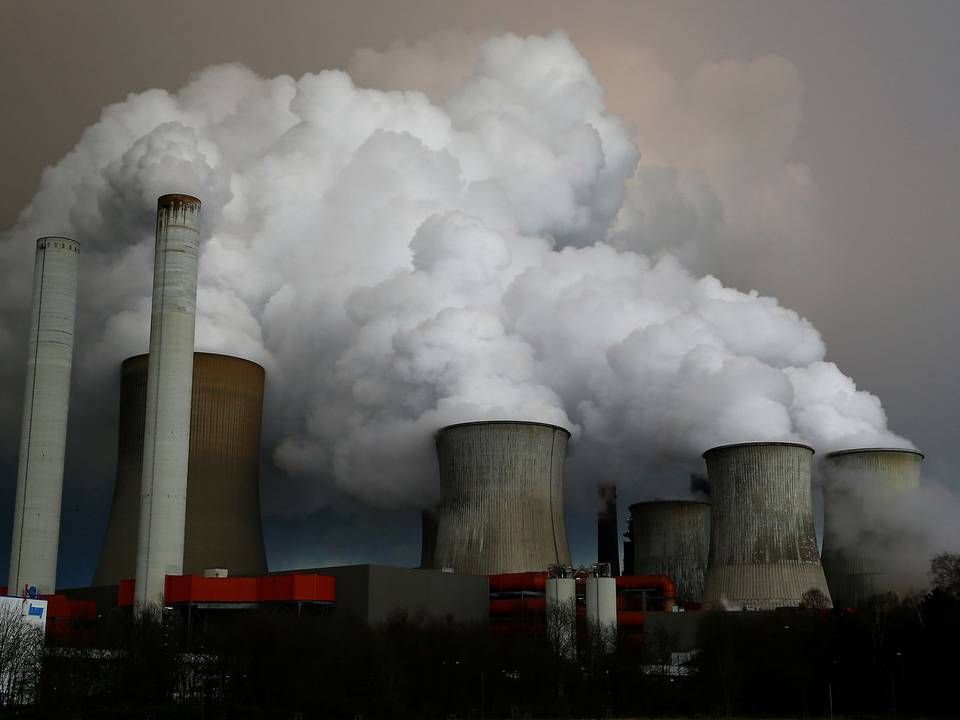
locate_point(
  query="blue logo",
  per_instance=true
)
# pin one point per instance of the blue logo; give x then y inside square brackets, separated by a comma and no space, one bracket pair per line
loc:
[35,610]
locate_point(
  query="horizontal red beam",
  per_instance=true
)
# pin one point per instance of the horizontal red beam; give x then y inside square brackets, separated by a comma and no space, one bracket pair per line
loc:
[296,587]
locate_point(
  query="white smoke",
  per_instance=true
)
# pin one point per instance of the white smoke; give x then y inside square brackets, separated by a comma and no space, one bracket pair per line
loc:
[399,263]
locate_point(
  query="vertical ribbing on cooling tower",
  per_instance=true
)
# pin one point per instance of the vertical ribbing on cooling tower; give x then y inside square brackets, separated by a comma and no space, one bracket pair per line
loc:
[223,524]
[43,433]
[502,497]
[672,537]
[853,549]
[763,546]
[166,434]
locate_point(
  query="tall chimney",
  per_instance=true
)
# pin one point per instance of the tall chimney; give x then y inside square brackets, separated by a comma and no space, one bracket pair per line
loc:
[166,435]
[43,433]
[608,537]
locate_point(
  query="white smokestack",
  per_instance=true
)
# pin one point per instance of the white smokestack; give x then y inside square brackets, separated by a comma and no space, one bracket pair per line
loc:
[166,441]
[43,434]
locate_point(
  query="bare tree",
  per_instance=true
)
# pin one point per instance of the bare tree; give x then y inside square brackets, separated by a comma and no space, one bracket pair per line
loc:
[21,653]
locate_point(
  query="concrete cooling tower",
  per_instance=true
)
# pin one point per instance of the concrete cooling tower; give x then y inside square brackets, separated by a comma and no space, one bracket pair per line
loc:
[853,551]
[672,537]
[763,546]
[223,526]
[501,507]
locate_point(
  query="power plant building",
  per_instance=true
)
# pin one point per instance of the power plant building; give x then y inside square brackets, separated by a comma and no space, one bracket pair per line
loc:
[763,545]
[501,505]
[853,554]
[672,537]
[43,432]
[223,524]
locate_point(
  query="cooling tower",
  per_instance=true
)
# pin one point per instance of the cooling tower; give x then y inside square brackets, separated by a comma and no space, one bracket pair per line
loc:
[43,432]
[672,537]
[223,527]
[166,431]
[853,550]
[763,546]
[608,535]
[501,507]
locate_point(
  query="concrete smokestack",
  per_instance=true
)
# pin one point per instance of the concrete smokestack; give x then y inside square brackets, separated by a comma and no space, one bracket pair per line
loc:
[223,526]
[854,566]
[43,433]
[428,537]
[672,537]
[501,505]
[763,546]
[166,434]
[608,534]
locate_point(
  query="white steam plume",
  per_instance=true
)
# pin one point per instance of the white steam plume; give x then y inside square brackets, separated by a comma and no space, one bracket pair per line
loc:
[399,263]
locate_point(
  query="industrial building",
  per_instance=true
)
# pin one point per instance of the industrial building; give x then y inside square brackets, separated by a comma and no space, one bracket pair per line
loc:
[763,545]
[223,525]
[672,538]
[855,568]
[501,486]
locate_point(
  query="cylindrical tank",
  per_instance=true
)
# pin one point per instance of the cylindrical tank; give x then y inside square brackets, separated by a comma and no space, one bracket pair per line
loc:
[223,525]
[763,545]
[43,432]
[428,537]
[601,600]
[166,434]
[672,538]
[501,510]
[853,552]
[561,609]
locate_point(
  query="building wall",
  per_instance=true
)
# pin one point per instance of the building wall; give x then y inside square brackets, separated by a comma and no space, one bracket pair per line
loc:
[672,538]
[223,524]
[763,546]
[502,497]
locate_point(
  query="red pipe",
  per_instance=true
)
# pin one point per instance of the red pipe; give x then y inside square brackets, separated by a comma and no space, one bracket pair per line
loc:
[517,606]
[666,586]
[518,582]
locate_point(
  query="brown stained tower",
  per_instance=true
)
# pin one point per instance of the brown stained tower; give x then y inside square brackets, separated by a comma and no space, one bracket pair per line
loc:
[223,526]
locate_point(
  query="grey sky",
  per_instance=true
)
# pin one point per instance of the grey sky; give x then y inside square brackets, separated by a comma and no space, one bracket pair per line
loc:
[879,131]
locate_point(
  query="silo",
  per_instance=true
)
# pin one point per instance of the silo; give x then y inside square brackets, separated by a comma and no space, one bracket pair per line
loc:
[223,526]
[854,548]
[166,433]
[763,546]
[501,507]
[672,538]
[43,432]
[601,602]
[560,596]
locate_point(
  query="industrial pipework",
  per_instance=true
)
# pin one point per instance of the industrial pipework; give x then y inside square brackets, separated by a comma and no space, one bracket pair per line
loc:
[501,486]
[223,525]
[43,432]
[853,551]
[763,546]
[166,432]
[672,538]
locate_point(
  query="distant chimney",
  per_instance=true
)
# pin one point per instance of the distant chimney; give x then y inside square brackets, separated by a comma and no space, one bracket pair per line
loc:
[608,536]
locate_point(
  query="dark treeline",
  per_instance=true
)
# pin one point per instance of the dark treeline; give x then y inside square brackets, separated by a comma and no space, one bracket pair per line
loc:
[889,657]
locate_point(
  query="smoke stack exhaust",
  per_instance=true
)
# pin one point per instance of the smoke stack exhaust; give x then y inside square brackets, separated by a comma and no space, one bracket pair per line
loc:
[43,433]
[166,435]
[501,510]
[855,570]
[763,546]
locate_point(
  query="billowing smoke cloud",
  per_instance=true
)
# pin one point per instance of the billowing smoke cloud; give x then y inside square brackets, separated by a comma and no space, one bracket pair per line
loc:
[399,263]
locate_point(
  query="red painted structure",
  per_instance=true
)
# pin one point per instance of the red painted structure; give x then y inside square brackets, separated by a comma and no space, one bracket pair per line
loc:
[66,619]
[192,589]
